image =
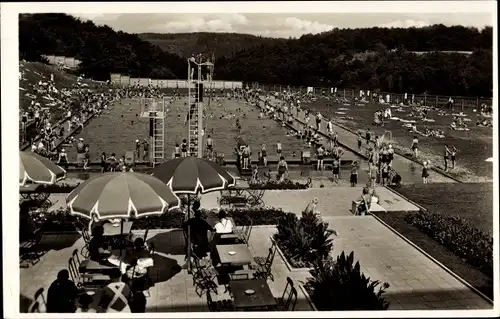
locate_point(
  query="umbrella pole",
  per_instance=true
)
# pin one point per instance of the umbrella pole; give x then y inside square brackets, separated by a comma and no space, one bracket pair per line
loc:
[121,243]
[189,237]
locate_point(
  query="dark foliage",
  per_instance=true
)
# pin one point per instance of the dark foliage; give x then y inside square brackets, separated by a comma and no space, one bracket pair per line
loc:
[374,58]
[212,44]
[340,285]
[101,49]
[61,220]
[275,185]
[303,241]
[456,234]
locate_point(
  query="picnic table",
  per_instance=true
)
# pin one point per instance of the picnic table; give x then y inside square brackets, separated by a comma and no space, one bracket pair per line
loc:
[262,297]
[234,254]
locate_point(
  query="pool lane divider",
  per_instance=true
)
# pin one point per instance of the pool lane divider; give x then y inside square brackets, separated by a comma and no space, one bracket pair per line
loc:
[395,151]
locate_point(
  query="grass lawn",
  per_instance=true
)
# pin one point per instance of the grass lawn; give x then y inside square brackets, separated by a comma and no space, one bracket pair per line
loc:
[471,201]
[474,146]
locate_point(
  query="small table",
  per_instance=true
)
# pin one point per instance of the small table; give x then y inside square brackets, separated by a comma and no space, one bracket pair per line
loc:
[242,255]
[261,298]
[96,267]
[110,230]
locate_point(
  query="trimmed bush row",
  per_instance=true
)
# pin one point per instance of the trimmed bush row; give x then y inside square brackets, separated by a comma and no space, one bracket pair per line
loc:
[64,188]
[276,185]
[61,220]
[456,234]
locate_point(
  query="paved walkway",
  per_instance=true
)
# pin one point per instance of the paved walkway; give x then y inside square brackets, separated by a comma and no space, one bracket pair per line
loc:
[332,201]
[416,282]
[410,171]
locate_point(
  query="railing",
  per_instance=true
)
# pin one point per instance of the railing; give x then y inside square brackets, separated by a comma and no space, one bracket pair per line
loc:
[429,100]
[125,80]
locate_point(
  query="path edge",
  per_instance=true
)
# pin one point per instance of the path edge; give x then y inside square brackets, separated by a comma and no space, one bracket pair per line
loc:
[463,281]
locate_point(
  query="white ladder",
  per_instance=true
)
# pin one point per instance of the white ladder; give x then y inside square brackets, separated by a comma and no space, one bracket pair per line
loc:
[158,140]
[193,128]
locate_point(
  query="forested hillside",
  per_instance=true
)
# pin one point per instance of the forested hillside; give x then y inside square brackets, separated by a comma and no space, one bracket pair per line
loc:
[218,44]
[334,58]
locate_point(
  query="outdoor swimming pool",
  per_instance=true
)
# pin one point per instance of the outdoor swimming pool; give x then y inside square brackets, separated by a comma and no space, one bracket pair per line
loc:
[116,130]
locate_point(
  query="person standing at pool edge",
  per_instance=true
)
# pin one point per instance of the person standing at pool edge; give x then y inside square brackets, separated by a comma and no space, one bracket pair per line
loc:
[414,146]
[282,169]
[263,152]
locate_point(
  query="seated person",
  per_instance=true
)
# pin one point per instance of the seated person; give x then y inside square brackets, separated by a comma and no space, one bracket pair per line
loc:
[363,204]
[96,245]
[84,302]
[61,294]
[224,225]
[139,250]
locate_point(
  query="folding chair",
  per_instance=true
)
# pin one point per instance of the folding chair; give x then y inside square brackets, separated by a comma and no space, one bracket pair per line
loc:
[243,234]
[281,301]
[290,302]
[28,249]
[36,306]
[81,265]
[220,305]
[263,271]
[86,238]
[204,275]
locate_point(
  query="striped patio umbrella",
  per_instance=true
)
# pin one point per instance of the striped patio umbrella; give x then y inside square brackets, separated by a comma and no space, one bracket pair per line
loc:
[38,169]
[122,195]
[191,175]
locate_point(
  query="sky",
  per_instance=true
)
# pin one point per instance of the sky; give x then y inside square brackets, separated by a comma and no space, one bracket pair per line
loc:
[277,24]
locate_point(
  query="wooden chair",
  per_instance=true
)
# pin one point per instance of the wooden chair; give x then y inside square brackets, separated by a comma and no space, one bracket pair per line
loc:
[244,232]
[81,265]
[290,302]
[220,305]
[281,301]
[204,275]
[86,238]
[29,248]
[83,280]
[36,305]
[259,260]
[263,270]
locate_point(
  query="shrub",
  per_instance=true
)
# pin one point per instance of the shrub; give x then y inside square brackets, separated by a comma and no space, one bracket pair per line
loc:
[305,240]
[276,185]
[456,234]
[340,285]
[61,220]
